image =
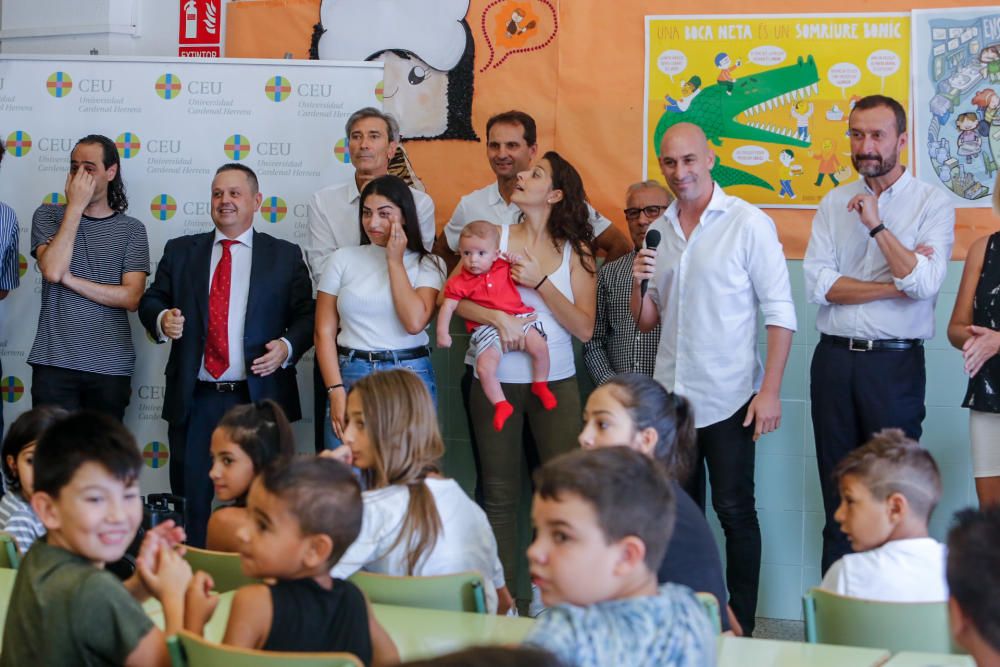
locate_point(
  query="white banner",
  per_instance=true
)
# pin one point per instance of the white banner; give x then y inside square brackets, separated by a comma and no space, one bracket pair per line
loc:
[175,120]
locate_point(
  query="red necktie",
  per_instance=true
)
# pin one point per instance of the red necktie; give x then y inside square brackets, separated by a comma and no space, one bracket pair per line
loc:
[217,341]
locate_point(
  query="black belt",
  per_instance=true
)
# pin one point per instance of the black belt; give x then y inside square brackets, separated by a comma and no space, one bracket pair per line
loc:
[224,387]
[863,345]
[386,355]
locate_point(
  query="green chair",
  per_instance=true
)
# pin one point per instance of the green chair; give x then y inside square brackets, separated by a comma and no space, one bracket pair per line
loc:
[10,555]
[449,592]
[896,626]
[225,568]
[190,650]
[711,606]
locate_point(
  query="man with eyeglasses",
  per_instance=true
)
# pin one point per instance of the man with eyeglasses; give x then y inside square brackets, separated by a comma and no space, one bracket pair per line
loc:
[617,345]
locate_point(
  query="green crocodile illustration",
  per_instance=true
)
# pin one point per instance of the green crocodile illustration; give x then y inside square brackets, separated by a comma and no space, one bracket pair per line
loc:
[716,113]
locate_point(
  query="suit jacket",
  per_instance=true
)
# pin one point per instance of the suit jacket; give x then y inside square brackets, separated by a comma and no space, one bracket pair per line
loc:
[279,304]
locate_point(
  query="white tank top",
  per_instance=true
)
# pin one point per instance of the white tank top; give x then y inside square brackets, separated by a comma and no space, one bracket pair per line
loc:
[515,367]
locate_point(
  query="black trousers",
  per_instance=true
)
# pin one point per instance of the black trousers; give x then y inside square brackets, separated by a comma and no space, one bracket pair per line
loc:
[728,451]
[80,390]
[190,458]
[855,394]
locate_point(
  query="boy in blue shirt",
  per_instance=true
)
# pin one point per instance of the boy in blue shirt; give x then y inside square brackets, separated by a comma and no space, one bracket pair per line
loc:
[603,518]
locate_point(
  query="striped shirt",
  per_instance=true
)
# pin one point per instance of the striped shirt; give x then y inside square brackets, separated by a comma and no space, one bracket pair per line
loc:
[9,276]
[617,345]
[74,332]
[18,519]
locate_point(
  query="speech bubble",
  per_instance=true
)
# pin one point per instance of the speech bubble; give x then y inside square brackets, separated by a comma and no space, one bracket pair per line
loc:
[766,55]
[843,76]
[883,63]
[672,62]
[751,155]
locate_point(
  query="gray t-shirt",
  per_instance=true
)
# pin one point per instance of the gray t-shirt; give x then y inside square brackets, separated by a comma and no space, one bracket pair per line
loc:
[65,611]
[73,331]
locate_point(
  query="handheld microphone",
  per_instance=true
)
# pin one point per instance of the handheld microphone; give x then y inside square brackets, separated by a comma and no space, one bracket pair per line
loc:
[652,240]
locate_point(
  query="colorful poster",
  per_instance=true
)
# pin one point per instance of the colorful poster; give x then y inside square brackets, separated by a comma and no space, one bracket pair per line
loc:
[956,100]
[772,93]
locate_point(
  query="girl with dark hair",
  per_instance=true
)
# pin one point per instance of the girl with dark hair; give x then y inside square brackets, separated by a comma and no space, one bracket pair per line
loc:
[416,522]
[16,514]
[635,411]
[374,301]
[247,439]
[553,265]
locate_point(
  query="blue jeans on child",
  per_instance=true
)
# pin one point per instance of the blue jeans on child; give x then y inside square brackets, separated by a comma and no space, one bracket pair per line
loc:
[354,368]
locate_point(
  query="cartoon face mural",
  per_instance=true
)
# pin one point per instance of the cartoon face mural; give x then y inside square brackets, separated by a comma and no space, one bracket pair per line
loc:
[428,52]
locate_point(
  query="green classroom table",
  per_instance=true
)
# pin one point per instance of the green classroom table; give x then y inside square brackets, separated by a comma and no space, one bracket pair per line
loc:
[418,633]
[910,659]
[743,652]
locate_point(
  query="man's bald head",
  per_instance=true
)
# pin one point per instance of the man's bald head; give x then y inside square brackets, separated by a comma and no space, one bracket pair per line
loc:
[686,162]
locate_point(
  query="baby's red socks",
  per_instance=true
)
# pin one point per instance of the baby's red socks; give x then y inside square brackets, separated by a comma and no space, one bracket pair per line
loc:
[501,411]
[541,390]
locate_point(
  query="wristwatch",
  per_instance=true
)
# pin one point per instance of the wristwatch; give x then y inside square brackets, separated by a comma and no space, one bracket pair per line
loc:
[875,230]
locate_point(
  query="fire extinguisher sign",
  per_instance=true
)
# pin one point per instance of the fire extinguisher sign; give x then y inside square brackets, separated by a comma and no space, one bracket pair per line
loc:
[200,33]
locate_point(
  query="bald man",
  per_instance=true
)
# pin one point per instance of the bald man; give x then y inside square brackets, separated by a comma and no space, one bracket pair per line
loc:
[719,260]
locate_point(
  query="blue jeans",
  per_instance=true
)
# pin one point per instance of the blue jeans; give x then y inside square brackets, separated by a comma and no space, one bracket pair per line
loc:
[353,369]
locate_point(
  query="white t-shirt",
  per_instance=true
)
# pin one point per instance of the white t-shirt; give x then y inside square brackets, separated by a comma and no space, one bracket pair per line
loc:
[333,223]
[487,204]
[359,277]
[466,541]
[898,571]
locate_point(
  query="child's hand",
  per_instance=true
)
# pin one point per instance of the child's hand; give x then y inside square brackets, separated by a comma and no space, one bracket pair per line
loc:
[199,602]
[170,576]
[342,454]
[444,339]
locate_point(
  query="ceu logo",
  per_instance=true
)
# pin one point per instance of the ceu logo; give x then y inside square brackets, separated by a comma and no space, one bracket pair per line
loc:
[128,144]
[22,266]
[168,86]
[340,151]
[57,198]
[18,143]
[278,89]
[155,454]
[163,207]
[11,389]
[59,84]
[273,209]
[379,90]
[237,147]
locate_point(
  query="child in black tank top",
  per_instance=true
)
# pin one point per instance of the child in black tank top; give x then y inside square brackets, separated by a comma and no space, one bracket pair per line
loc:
[303,516]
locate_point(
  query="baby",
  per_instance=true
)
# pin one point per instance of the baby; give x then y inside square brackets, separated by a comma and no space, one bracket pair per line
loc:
[486,281]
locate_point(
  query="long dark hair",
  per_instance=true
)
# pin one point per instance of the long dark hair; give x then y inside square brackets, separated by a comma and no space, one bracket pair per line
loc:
[117,199]
[262,431]
[398,192]
[670,415]
[568,217]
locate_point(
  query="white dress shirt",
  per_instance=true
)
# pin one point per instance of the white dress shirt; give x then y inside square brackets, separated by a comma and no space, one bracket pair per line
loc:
[707,289]
[917,213]
[898,571]
[487,204]
[239,290]
[334,223]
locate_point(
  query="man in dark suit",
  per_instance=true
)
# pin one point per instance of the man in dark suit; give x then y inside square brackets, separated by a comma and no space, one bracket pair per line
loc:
[238,306]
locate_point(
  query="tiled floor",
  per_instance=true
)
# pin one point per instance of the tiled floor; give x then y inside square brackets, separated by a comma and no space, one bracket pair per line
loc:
[775,628]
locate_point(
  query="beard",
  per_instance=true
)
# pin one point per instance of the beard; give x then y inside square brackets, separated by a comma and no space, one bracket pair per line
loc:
[882,165]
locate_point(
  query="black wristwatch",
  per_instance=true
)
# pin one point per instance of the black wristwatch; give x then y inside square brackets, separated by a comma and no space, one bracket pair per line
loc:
[876,230]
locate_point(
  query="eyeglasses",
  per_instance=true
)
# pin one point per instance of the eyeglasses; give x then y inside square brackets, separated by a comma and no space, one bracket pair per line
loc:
[650,211]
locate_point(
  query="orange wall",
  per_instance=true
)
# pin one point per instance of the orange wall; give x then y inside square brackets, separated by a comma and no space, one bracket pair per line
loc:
[585,89]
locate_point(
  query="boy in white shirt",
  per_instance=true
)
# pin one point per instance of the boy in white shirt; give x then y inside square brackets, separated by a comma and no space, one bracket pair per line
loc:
[888,489]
